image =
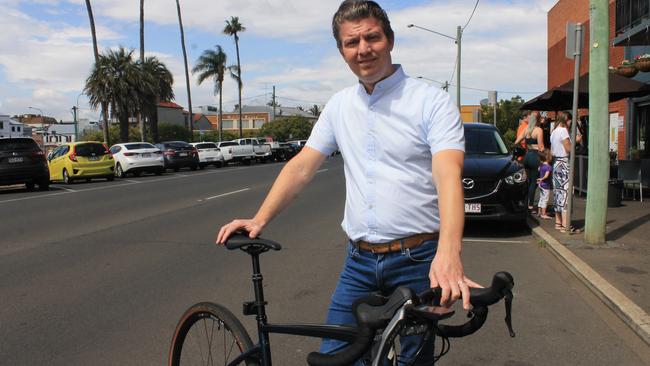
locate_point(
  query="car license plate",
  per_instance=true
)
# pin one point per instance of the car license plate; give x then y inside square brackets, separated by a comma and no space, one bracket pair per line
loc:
[209,159]
[17,159]
[182,154]
[93,158]
[146,155]
[472,208]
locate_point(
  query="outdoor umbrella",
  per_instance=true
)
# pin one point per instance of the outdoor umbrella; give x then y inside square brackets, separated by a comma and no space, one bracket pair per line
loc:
[561,97]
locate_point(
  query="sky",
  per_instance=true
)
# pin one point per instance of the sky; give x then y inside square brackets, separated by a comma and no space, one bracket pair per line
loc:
[46,48]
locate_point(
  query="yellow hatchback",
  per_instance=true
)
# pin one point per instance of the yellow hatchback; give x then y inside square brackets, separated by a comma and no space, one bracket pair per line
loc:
[81,160]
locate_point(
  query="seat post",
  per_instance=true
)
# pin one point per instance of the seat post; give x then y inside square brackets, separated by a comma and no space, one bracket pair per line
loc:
[260,310]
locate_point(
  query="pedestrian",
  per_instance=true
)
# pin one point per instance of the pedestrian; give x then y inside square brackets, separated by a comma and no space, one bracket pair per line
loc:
[523,125]
[533,137]
[545,183]
[402,144]
[560,148]
[545,125]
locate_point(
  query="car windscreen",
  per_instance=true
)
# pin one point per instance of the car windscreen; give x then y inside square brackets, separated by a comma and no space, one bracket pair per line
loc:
[229,144]
[138,146]
[484,141]
[17,144]
[206,146]
[177,145]
[90,149]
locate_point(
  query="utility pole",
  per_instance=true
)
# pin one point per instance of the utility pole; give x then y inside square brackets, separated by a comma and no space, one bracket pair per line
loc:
[273,102]
[76,130]
[598,172]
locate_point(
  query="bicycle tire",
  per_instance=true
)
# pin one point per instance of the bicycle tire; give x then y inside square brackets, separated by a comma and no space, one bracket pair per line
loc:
[196,332]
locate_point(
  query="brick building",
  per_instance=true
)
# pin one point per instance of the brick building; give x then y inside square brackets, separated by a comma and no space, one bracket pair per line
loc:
[628,26]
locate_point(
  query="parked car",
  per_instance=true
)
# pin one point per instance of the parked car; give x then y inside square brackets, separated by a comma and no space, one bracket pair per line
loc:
[227,149]
[81,160]
[494,181]
[260,151]
[179,154]
[137,157]
[299,144]
[209,154]
[23,162]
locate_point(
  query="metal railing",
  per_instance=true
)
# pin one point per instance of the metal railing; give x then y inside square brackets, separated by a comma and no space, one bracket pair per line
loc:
[630,13]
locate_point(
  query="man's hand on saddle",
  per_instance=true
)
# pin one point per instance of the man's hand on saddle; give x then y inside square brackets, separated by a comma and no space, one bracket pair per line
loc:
[447,273]
[251,226]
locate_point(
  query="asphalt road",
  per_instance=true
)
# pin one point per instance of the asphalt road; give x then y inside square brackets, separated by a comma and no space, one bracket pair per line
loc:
[99,273]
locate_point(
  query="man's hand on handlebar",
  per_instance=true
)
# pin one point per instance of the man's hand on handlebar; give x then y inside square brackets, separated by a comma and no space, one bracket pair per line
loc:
[447,273]
[252,226]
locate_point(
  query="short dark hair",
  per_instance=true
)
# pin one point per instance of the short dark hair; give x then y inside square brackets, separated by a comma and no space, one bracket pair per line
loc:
[357,10]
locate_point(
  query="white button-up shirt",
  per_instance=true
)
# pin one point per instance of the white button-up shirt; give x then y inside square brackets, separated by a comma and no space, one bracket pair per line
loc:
[387,140]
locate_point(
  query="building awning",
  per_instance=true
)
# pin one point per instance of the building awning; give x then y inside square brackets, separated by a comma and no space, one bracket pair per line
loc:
[561,97]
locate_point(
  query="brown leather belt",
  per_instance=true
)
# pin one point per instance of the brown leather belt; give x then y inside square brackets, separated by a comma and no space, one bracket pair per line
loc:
[396,245]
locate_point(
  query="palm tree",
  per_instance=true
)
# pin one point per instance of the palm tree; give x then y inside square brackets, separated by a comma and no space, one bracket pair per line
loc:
[116,80]
[140,121]
[315,110]
[96,54]
[233,27]
[187,73]
[212,64]
[163,81]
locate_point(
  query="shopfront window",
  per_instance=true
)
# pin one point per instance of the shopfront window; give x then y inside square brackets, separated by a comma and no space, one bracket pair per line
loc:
[640,134]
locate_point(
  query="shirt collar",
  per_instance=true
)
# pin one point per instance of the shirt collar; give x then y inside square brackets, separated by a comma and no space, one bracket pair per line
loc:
[386,84]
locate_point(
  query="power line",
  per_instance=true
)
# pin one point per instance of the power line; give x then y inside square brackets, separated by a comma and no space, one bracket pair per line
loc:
[485,90]
[470,17]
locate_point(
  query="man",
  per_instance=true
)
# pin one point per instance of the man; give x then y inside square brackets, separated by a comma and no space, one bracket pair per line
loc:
[523,125]
[402,142]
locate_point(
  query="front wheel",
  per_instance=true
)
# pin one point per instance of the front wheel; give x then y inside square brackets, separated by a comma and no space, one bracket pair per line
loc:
[209,334]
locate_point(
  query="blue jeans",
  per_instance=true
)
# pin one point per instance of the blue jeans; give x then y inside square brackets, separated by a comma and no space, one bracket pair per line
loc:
[365,272]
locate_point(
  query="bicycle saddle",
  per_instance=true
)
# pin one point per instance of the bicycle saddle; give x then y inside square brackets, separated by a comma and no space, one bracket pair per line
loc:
[241,241]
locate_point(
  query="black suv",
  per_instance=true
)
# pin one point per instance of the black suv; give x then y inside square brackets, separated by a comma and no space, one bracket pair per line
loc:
[22,161]
[494,181]
[179,154]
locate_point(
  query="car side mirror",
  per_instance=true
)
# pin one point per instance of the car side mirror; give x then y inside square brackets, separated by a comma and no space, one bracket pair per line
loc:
[518,152]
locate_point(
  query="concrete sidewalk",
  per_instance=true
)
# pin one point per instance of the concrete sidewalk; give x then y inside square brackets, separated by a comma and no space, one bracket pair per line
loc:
[617,271]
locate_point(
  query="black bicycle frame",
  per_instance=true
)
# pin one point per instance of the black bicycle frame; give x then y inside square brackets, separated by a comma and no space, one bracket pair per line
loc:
[257,308]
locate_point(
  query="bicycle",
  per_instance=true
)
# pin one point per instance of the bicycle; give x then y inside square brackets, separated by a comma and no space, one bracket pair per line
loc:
[381,320]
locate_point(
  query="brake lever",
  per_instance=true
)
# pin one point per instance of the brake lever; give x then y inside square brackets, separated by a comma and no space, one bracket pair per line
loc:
[508,300]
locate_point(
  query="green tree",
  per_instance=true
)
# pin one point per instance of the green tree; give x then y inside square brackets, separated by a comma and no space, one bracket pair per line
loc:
[116,80]
[508,113]
[287,128]
[163,82]
[170,132]
[212,64]
[187,73]
[104,106]
[233,28]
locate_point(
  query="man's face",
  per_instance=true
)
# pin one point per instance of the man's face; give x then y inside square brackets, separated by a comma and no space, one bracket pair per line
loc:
[366,49]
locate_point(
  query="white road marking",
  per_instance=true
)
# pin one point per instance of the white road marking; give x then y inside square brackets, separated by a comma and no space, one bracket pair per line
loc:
[322,170]
[495,241]
[129,182]
[227,194]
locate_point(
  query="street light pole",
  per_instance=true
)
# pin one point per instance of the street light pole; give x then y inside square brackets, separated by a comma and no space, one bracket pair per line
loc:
[457,39]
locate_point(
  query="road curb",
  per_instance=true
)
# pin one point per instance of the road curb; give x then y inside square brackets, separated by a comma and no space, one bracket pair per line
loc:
[626,309]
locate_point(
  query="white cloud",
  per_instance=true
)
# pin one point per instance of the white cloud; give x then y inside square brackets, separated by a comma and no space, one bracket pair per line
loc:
[47,62]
